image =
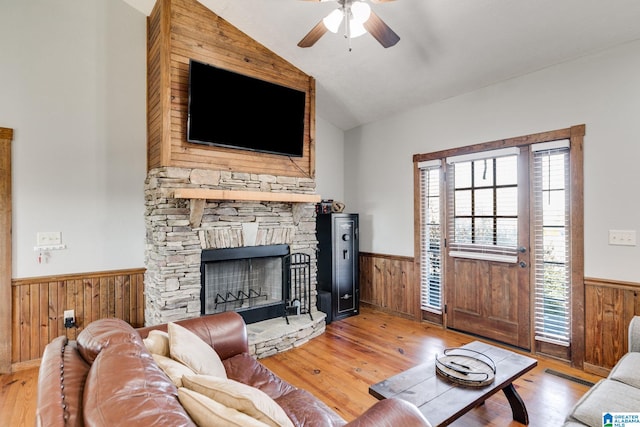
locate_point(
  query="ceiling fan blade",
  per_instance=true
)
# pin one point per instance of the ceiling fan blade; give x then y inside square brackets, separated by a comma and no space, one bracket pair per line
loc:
[381,31]
[314,35]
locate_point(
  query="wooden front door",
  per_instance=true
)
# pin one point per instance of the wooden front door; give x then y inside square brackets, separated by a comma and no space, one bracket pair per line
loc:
[487,255]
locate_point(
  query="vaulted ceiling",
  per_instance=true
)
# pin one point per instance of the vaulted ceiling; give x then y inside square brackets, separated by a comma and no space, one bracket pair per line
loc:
[446,48]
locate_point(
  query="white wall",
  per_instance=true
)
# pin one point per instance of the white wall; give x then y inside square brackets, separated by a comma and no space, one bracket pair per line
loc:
[73,88]
[601,91]
[329,160]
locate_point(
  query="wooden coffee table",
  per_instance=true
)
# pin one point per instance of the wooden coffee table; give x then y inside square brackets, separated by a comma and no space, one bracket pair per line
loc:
[442,401]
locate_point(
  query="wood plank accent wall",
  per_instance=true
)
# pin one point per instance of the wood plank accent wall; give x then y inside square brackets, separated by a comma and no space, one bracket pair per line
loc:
[387,282]
[158,88]
[179,30]
[39,304]
[6,136]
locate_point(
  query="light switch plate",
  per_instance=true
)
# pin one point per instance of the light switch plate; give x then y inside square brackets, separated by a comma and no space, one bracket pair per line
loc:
[49,238]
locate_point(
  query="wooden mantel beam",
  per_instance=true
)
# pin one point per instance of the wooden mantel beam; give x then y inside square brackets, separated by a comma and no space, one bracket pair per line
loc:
[260,196]
[199,195]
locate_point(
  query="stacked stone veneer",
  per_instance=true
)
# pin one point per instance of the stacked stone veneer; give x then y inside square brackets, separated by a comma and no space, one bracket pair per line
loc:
[173,246]
[274,336]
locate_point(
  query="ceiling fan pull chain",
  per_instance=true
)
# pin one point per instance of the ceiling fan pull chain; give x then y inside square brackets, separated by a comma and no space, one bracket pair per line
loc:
[347,25]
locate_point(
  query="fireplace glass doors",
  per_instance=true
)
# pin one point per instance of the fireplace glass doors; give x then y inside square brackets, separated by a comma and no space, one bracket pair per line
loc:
[249,280]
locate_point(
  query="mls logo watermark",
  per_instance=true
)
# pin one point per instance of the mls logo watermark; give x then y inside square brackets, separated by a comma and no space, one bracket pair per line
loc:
[621,419]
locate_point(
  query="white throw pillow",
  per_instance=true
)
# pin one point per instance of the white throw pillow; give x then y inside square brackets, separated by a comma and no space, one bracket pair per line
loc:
[188,349]
[174,369]
[233,394]
[207,412]
[157,342]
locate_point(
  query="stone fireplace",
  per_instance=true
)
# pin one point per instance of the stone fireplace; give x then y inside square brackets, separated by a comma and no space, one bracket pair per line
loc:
[179,229]
[187,205]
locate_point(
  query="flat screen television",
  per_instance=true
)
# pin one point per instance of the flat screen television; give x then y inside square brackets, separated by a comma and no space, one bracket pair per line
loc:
[229,109]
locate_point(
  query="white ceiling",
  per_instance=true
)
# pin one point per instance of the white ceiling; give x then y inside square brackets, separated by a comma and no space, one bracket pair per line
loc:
[446,48]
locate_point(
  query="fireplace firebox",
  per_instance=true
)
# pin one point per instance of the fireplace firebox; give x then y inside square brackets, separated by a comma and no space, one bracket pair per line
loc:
[259,282]
[248,280]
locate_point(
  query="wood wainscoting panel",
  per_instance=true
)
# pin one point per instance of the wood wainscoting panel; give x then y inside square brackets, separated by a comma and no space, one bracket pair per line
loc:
[609,307]
[39,304]
[387,282]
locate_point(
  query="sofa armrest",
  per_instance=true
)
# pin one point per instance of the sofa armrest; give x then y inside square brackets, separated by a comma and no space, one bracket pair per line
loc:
[634,334]
[61,379]
[391,412]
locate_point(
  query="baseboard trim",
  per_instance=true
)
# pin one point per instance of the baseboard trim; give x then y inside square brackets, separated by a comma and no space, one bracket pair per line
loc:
[597,370]
[387,310]
[25,366]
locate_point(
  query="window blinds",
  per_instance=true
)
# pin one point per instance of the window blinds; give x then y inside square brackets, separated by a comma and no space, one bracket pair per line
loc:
[431,237]
[552,266]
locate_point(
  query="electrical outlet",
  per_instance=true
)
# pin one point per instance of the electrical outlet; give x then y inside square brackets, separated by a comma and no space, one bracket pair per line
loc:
[622,237]
[69,319]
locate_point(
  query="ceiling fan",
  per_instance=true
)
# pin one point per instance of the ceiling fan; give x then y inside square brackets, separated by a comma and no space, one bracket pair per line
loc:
[358,19]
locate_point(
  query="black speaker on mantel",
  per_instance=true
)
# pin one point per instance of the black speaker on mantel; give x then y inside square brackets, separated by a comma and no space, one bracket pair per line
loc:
[338,251]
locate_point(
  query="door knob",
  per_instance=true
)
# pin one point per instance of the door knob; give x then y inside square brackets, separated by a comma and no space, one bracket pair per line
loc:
[522,249]
[523,264]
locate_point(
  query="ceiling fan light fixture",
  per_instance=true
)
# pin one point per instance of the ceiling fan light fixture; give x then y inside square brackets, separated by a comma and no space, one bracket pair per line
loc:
[358,19]
[333,20]
[356,29]
[360,12]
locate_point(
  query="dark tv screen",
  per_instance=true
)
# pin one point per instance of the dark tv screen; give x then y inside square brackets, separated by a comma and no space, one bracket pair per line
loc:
[233,110]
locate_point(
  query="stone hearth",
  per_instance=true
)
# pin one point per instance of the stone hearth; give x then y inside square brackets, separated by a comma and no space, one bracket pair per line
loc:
[174,246]
[273,336]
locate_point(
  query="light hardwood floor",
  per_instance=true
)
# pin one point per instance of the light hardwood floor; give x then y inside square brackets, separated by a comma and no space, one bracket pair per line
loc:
[354,353]
[339,366]
[18,398]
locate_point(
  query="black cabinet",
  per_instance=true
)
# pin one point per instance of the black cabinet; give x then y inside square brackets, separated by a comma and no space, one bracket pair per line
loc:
[337,235]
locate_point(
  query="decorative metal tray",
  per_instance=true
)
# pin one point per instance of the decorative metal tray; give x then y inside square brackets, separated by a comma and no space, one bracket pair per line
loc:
[466,367]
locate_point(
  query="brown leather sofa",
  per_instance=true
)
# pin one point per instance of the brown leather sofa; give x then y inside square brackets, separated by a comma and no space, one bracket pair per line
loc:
[108,378]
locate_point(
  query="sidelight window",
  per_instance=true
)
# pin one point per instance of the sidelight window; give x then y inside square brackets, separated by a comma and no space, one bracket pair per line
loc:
[431,238]
[552,268]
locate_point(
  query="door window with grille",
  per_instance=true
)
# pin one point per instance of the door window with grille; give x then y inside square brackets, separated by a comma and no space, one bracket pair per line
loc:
[483,205]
